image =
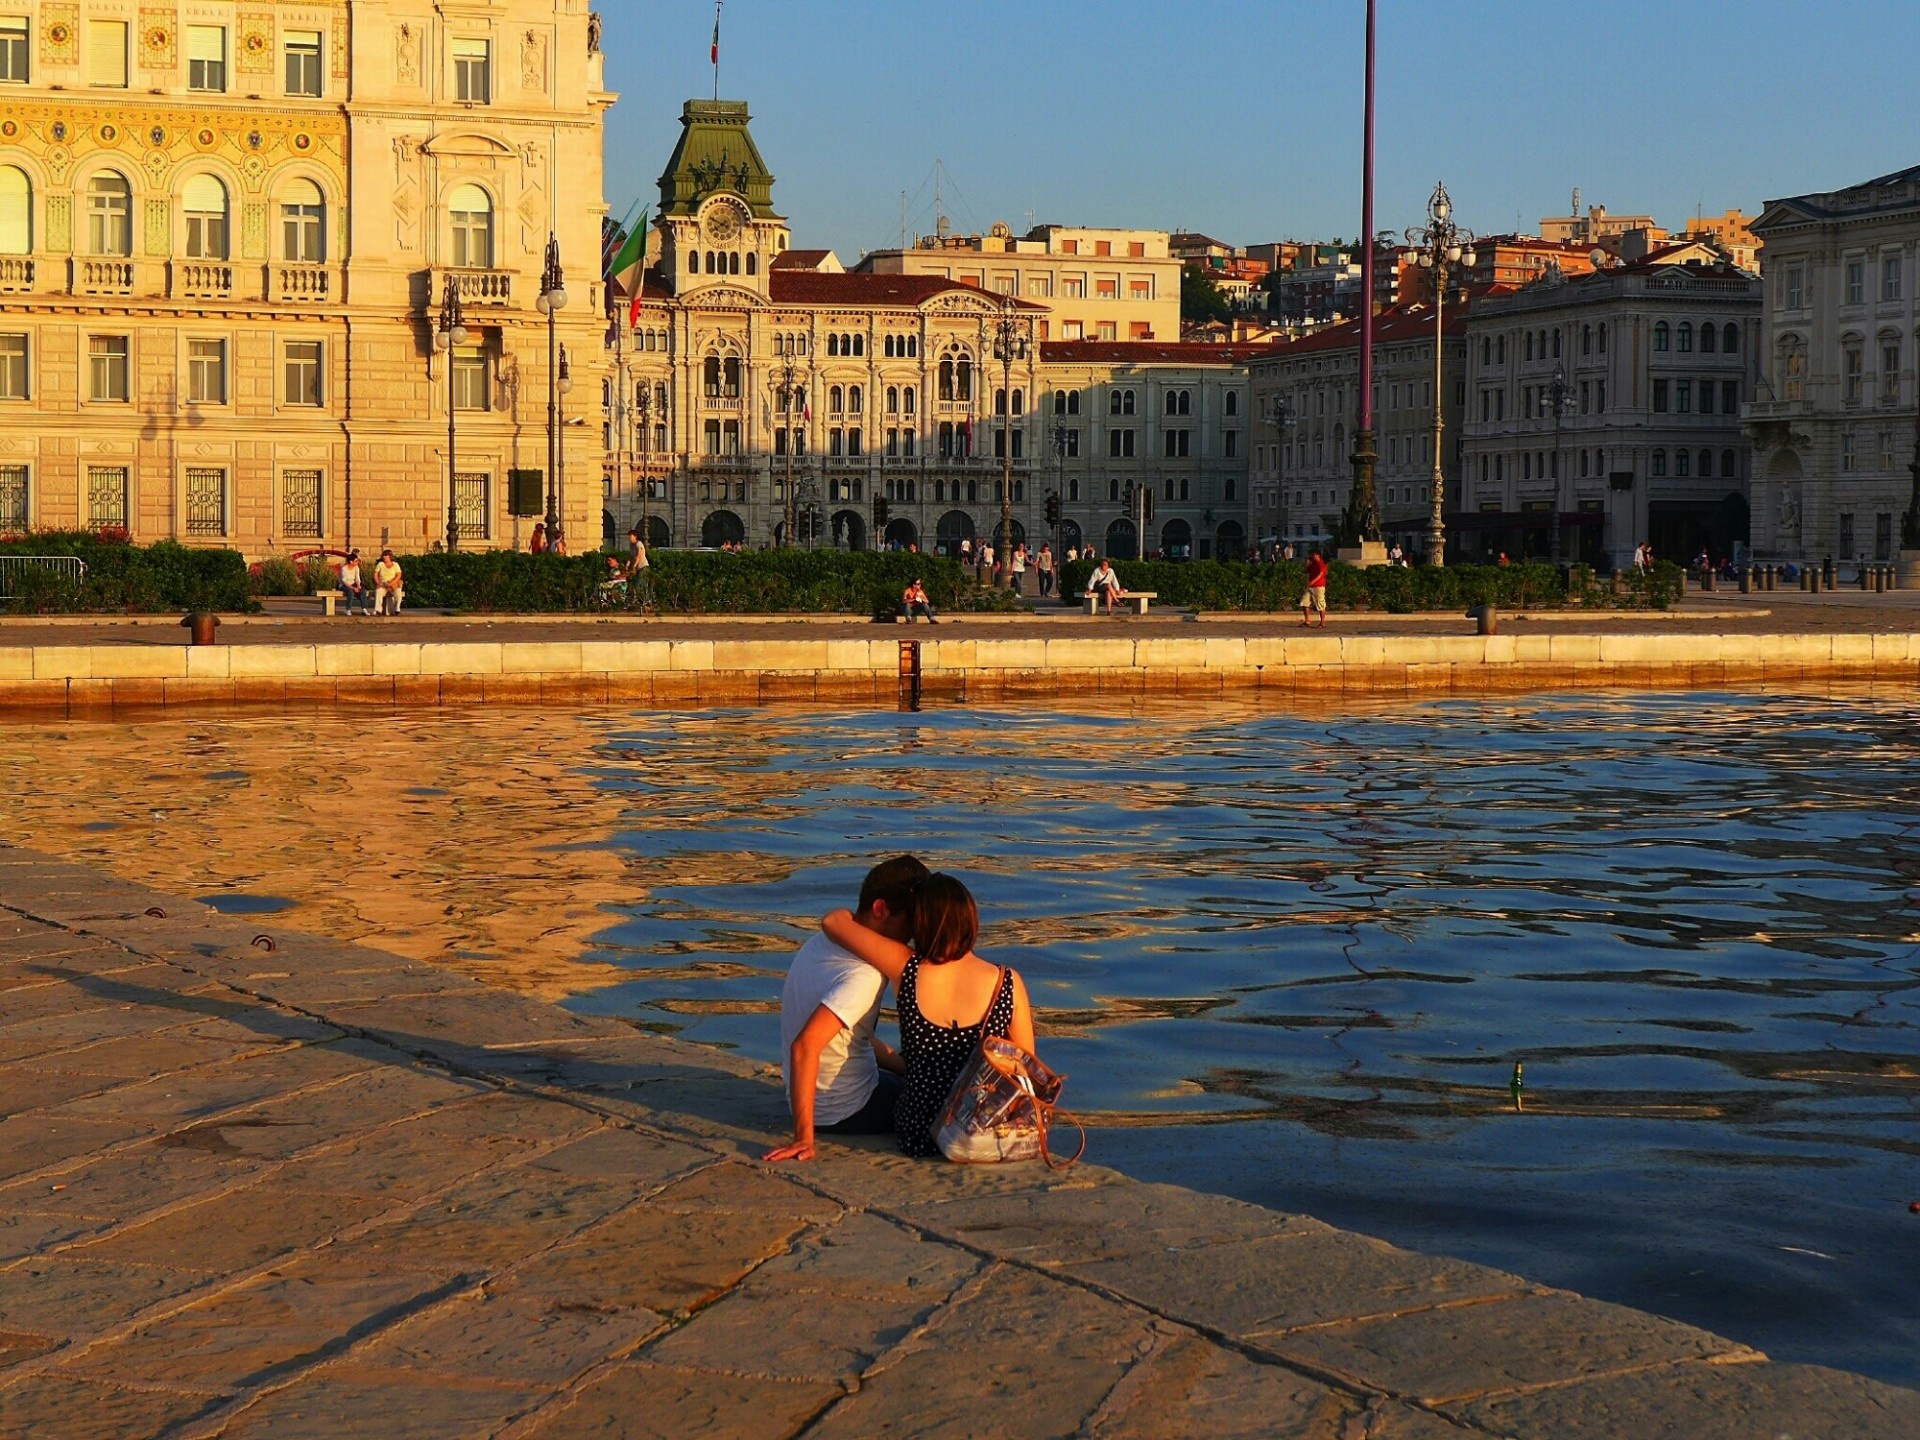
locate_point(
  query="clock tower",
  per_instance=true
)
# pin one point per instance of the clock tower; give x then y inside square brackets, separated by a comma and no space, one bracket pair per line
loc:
[717,223]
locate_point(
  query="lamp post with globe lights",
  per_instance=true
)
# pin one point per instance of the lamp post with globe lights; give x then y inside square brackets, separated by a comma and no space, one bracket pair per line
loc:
[449,334]
[1442,246]
[550,302]
[1283,422]
[1009,344]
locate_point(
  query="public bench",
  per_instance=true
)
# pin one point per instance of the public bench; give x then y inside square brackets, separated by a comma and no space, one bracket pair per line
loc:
[1138,599]
[327,599]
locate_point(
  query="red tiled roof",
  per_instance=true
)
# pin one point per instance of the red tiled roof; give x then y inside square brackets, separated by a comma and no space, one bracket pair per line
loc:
[858,288]
[1390,327]
[799,259]
[1150,352]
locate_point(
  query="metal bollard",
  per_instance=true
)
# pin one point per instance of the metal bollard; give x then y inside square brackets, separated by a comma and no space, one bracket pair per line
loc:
[1746,580]
[1486,619]
[1826,573]
[200,626]
[1866,580]
[1773,576]
[1706,580]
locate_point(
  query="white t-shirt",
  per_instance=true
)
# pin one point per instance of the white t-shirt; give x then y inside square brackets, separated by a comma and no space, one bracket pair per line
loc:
[824,974]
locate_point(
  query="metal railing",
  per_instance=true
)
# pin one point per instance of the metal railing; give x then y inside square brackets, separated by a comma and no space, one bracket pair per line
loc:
[12,567]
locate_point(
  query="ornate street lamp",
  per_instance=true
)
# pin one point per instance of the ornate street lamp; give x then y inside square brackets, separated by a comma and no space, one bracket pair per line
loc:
[1443,246]
[449,334]
[643,408]
[1009,344]
[792,377]
[1559,400]
[1061,430]
[564,385]
[1283,422]
[550,302]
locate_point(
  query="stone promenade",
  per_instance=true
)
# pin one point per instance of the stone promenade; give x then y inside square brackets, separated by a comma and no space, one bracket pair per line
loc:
[266,1185]
[1782,639]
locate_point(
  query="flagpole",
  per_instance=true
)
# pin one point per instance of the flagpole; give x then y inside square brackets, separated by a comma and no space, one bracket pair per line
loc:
[716,51]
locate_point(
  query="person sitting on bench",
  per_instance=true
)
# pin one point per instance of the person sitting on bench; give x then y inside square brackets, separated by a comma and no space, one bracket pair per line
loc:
[352,587]
[913,600]
[1105,582]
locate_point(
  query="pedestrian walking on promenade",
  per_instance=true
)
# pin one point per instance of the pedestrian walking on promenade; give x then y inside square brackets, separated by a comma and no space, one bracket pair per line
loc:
[538,544]
[1043,564]
[1314,597]
[1019,568]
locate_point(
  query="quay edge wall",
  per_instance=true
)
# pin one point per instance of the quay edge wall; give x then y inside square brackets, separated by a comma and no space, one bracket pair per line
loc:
[673,673]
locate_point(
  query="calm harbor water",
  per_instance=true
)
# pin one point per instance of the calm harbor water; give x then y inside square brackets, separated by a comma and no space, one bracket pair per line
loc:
[1286,955]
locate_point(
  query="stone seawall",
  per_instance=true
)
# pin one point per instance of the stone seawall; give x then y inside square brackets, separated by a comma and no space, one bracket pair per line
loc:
[667,672]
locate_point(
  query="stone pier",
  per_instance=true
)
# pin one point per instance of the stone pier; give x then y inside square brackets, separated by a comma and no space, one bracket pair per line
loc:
[260,1184]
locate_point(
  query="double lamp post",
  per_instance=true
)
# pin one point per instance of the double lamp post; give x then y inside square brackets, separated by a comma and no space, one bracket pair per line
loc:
[1441,246]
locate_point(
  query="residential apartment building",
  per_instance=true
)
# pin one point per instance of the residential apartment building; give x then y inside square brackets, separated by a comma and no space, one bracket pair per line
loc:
[1833,422]
[1604,410]
[1513,260]
[225,233]
[1305,399]
[1091,284]
[1595,227]
[757,378]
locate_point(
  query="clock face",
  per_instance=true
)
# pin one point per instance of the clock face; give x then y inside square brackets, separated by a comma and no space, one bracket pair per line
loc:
[722,223]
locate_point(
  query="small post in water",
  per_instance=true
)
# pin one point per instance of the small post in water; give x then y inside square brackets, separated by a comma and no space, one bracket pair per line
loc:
[1518,1087]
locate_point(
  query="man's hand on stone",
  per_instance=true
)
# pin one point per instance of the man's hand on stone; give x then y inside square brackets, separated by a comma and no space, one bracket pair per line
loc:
[797,1150]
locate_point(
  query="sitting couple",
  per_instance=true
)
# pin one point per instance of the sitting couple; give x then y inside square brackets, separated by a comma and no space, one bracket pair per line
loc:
[916,930]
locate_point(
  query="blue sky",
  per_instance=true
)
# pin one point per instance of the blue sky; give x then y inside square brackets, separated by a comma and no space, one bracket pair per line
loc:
[1241,118]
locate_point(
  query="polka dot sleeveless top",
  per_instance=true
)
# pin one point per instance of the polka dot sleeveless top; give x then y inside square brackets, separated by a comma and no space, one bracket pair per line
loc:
[935,1055]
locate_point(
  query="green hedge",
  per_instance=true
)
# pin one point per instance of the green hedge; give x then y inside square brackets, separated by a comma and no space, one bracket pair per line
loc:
[685,582]
[123,578]
[1227,585]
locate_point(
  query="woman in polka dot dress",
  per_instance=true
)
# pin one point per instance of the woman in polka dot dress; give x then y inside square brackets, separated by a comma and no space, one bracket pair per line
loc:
[947,997]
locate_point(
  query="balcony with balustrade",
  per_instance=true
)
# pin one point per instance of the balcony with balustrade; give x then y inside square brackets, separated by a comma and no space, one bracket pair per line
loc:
[199,280]
[102,275]
[18,274]
[490,288]
[291,284]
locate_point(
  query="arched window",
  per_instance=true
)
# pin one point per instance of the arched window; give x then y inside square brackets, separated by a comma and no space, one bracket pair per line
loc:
[836,400]
[303,223]
[1556,344]
[1603,339]
[753,263]
[1019,401]
[859,344]
[109,215]
[1661,336]
[1529,347]
[1586,339]
[1073,402]
[693,262]
[1729,465]
[711,375]
[1706,464]
[1793,367]
[205,199]
[906,398]
[1486,350]
[1172,402]
[733,262]
[1708,334]
[1232,406]
[963,379]
[16,212]
[1657,466]
[893,399]
[945,379]
[855,401]
[1682,464]
[913,347]
[833,345]
[1500,349]
[1730,338]
[1684,337]
[471,211]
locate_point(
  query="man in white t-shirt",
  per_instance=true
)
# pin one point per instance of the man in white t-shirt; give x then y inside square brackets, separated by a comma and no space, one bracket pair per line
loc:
[841,1079]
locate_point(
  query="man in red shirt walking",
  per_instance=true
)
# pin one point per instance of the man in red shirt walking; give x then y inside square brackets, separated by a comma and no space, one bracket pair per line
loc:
[1314,597]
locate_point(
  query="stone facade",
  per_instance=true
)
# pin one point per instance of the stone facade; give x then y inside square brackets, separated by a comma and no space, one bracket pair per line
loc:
[1833,420]
[749,366]
[1657,355]
[226,230]
[1302,474]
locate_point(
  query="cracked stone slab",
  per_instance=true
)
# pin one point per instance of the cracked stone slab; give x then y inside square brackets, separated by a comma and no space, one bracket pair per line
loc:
[513,1335]
[72,1296]
[152,1056]
[76,1409]
[454,1024]
[30,1143]
[660,1260]
[341,1403]
[747,1189]
[1257,1287]
[1074,1225]
[239,1229]
[259,1332]
[869,1257]
[787,1336]
[132,1181]
[487,1223]
[1709,1402]
[32,1232]
[638,1401]
[419,1154]
[1191,1387]
[876,1175]
[58,1033]
[1018,1354]
[229,1085]
[35,1085]
[614,1152]
[1460,1352]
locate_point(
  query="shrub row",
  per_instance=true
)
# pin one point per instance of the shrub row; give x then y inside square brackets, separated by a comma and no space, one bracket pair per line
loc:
[126,579]
[753,582]
[1226,585]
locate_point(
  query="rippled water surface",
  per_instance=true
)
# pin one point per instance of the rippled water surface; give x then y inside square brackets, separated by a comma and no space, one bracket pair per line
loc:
[1286,955]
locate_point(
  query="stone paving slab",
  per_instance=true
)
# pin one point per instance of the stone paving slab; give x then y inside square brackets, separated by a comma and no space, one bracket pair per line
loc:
[285,1202]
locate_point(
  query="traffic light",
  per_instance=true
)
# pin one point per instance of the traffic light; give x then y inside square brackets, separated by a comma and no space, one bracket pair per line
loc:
[1053,507]
[1146,504]
[882,510]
